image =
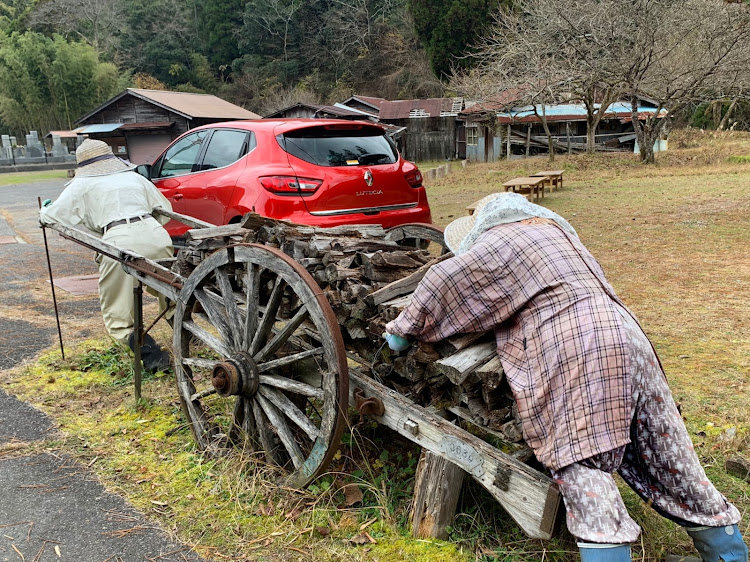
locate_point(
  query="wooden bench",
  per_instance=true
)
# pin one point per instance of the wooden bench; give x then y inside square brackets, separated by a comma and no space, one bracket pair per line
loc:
[554,177]
[529,185]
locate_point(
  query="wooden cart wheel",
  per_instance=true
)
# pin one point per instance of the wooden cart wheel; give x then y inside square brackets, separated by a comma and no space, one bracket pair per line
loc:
[260,361]
[419,235]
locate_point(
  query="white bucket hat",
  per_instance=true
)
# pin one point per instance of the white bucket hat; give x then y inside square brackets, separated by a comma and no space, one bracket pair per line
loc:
[95,158]
[493,210]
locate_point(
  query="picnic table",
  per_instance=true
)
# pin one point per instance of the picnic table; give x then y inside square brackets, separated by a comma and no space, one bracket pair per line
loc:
[555,177]
[533,185]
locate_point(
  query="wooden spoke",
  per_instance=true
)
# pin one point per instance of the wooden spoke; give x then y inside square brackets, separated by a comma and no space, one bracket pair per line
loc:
[233,313]
[200,363]
[267,437]
[209,339]
[269,317]
[289,359]
[202,394]
[251,318]
[231,307]
[290,411]
[216,314]
[293,386]
[282,336]
[248,425]
[283,431]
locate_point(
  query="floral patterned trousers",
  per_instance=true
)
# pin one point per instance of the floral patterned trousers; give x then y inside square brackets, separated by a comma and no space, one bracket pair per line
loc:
[659,463]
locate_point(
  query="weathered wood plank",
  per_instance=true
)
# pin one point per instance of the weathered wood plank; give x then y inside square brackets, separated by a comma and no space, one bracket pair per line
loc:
[530,497]
[184,219]
[459,365]
[404,285]
[437,487]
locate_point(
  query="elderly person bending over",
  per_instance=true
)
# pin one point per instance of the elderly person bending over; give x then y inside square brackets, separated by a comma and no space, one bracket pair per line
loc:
[110,199]
[591,393]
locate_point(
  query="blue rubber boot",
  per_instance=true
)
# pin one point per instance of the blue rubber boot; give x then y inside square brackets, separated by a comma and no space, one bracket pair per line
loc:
[594,552]
[719,544]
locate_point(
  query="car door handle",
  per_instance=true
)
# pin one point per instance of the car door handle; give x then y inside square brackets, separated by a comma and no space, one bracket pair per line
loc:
[178,196]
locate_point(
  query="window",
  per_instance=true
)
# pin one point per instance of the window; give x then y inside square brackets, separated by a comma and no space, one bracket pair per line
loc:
[326,146]
[225,147]
[181,157]
[472,135]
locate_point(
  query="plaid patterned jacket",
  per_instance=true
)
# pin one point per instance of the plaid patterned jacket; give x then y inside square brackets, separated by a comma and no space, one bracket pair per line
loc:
[559,334]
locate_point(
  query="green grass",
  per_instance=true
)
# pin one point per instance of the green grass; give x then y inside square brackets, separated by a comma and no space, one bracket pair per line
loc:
[673,241]
[31,177]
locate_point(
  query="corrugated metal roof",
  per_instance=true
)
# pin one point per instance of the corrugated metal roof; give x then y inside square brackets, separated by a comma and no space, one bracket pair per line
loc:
[430,107]
[316,109]
[377,102]
[573,112]
[62,134]
[204,106]
[98,128]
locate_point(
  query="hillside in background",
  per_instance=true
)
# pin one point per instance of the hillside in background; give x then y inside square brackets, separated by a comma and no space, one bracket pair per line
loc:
[60,58]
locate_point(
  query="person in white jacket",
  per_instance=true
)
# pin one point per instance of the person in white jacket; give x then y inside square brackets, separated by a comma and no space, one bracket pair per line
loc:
[110,199]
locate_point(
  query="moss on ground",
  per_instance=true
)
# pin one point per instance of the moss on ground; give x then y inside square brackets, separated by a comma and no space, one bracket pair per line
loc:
[673,241]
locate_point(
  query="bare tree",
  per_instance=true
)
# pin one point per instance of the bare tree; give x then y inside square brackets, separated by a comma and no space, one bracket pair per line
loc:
[275,17]
[515,64]
[674,52]
[97,22]
[698,51]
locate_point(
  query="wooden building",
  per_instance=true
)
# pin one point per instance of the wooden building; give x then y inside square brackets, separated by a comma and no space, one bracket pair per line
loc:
[431,126]
[492,133]
[138,124]
[317,111]
[368,104]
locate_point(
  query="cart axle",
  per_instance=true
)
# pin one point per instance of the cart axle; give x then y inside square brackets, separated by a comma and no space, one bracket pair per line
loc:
[237,376]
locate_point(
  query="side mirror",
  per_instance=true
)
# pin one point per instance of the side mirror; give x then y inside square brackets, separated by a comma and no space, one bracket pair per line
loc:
[144,170]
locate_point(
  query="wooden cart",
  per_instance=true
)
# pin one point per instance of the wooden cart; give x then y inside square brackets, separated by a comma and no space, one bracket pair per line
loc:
[261,365]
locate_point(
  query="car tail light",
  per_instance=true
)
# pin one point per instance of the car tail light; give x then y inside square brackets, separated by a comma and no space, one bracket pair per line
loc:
[288,185]
[414,178]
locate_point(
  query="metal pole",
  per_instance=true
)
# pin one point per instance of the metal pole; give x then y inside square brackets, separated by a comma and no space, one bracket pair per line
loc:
[52,284]
[137,337]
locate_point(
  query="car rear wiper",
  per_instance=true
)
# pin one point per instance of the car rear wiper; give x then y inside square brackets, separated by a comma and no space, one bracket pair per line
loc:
[372,158]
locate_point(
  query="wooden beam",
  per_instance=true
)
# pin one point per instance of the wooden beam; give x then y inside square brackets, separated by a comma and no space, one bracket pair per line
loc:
[531,498]
[528,139]
[437,486]
[192,222]
[507,141]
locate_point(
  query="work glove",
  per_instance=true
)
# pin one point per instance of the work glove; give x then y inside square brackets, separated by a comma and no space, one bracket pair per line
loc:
[396,343]
[46,202]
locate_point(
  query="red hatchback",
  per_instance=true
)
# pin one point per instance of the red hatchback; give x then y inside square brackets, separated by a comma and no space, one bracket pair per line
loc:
[321,172]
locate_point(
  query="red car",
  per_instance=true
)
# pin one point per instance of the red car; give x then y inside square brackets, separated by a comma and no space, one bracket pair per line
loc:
[321,172]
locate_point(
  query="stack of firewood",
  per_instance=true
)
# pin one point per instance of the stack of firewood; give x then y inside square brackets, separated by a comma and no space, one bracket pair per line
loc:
[368,279]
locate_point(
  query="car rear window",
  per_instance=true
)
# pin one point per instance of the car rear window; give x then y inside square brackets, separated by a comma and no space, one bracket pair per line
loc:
[340,146]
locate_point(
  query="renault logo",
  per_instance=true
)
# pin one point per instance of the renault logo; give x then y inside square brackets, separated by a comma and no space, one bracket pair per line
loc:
[368,178]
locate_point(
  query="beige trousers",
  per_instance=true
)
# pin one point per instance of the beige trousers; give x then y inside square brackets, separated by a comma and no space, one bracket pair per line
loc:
[146,238]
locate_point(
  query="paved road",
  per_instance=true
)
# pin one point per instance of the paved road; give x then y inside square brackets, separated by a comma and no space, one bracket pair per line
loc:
[47,501]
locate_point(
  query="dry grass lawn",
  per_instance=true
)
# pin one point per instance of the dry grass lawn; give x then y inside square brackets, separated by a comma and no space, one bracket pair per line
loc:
[673,239]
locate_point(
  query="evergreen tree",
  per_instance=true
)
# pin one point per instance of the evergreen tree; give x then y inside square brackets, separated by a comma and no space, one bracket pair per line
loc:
[449,28]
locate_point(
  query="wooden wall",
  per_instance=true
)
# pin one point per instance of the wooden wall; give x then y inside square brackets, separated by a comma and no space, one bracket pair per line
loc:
[130,109]
[427,138]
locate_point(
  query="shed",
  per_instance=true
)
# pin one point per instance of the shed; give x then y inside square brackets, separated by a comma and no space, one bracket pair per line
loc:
[313,111]
[68,138]
[368,104]
[431,127]
[138,124]
[493,130]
